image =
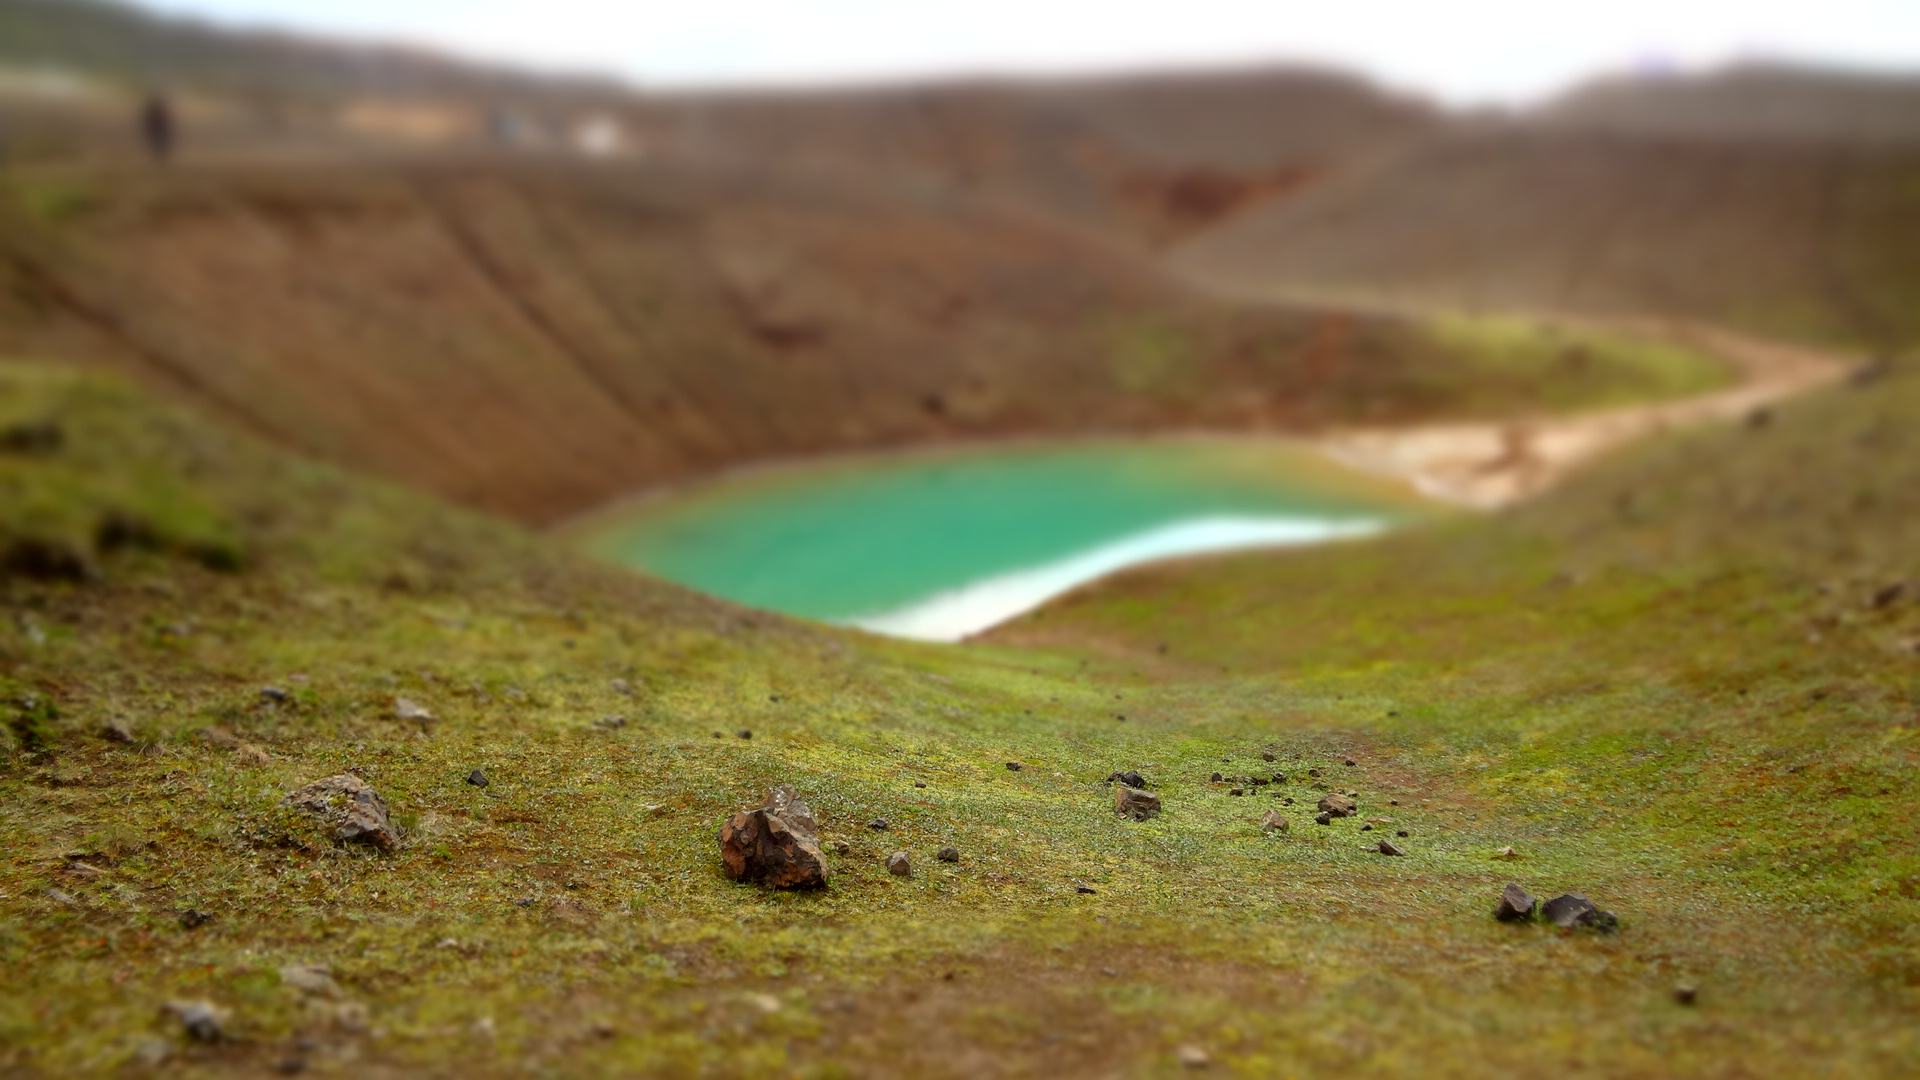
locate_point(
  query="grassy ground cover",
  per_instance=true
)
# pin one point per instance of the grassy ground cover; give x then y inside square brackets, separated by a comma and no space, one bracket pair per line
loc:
[1671,686]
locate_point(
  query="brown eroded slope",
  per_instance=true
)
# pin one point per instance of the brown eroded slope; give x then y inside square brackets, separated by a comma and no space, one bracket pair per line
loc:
[537,338]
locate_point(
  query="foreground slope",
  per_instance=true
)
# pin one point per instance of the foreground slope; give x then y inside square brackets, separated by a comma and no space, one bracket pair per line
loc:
[1713,748]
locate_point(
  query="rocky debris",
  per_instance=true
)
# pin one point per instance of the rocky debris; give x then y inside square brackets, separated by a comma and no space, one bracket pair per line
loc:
[615,723]
[249,754]
[840,847]
[1130,802]
[744,733]
[32,437]
[1130,778]
[273,694]
[1192,1057]
[1337,804]
[899,865]
[1388,847]
[1236,791]
[1272,821]
[948,853]
[478,778]
[1266,755]
[621,686]
[1084,891]
[1216,778]
[1572,911]
[775,843]
[1014,766]
[1887,595]
[1351,763]
[116,730]
[201,1019]
[345,801]
[1506,853]
[413,712]
[1368,827]
[1516,905]
[1323,819]
[194,920]
[919,783]
[1686,993]
[879,824]
[1403,834]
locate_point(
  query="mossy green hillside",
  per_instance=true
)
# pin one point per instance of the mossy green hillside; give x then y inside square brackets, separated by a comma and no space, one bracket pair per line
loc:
[1634,724]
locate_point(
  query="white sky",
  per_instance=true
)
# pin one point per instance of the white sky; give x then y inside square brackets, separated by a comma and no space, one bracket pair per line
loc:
[1464,51]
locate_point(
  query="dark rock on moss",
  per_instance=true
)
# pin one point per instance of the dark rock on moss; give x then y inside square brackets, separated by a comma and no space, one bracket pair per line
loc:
[43,559]
[1516,905]
[478,778]
[1266,755]
[1686,994]
[194,920]
[1236,791]
[1388,847]
[948,853]
[1014,766]
[32,437]
[899,864]
[1084,891]
[1572,911]
[744,733]
[273,693]
[345,801]
[775,843]
[1130,778]
[1216,778]
[879,824]
[1323,819]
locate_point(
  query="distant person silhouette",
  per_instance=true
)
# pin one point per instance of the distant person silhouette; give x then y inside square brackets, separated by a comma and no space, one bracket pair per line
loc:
[156,127]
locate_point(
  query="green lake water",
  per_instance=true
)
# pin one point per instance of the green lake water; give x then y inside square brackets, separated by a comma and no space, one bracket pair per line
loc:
[938,546]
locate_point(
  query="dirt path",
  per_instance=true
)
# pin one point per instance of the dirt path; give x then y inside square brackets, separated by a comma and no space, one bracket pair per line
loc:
[1494,463]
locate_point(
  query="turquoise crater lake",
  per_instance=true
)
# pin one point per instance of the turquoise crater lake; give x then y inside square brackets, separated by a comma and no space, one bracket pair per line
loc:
[938,546]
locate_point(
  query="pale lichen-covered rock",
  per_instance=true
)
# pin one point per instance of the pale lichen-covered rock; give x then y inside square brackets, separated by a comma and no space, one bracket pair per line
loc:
[356,811]
[776,843]
[1134,803]
[1273,821]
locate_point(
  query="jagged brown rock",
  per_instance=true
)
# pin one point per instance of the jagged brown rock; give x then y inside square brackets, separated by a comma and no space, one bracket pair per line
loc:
[1337,805]
[1133,803]
[1273,821]
[776,843]
[1516,905]
[347,802]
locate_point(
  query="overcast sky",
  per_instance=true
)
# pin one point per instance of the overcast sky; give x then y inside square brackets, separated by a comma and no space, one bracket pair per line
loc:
[1465,51]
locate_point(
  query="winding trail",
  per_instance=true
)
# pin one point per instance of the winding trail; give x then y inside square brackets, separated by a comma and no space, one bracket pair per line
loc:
[1490,464]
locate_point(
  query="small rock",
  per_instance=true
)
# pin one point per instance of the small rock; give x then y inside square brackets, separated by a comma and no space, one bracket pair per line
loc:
[1133,803]
[1403,833]
[1338,805]
[744,733]
[249,754]
[1388,847]
[310,979]
[116,730]
[879,824]
[615,723]
[1350,763]
[948,853]
[1686,994]
[1323,819]
[1506,853]
[273,694]
[194,920]
[1216,778]
[1367,827]
[1571,911]
[775,843]
[1192,1057]
[412,711]
[1313,772]
[840,847]
[1266,755]
[1516,905]
[899,865]
[1129,778]
[1083,890]
[621,686]
[1014,766]
[1236,791]
[1393,802]
[1272,821]
[200,1018]
[345,801]
[1887,595]
[478,778]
